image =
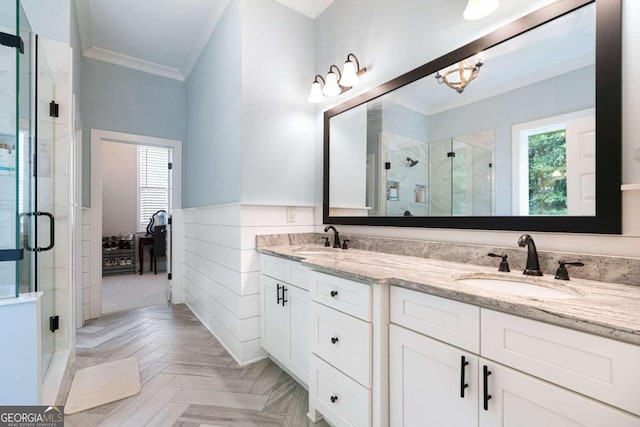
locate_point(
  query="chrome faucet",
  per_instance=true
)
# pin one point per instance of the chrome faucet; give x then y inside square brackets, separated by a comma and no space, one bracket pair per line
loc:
[533,264]
[336,235]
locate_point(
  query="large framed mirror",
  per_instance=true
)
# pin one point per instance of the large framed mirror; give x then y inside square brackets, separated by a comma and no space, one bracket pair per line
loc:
[518,130]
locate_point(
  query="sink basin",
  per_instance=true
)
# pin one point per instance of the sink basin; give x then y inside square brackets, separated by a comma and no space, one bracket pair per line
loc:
[514,287]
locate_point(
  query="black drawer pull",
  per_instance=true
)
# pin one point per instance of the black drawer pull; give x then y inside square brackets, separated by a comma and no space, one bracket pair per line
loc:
[334,340]
[486,396]
[334,294]
[283,297]
[463,385]
[334,399]
[278,294]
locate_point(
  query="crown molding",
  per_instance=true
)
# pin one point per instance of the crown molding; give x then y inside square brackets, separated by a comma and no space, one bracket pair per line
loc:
[133,63]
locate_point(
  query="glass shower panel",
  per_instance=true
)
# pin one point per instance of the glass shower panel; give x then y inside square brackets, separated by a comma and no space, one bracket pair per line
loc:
[8,149]
[461,178]
[482,182]
[440,178]
[471,180]
[25,180]
[45,265]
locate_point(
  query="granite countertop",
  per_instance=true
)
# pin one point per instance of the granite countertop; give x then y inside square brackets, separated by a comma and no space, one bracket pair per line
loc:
[606,309]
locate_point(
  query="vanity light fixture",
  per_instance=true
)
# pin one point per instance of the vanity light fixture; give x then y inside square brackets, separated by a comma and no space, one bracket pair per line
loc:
[459,75]
[316,96]
[477,9]
[331,86]
[351,71]
[336,81]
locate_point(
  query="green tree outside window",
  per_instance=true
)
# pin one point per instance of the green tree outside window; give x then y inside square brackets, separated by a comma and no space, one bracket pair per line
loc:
[547,173]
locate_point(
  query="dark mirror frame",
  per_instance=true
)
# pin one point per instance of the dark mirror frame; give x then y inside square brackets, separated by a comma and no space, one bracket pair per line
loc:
[608,218]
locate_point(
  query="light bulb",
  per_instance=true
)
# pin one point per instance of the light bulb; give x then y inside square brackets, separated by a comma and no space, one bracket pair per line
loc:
[331,87]
[349,75]
[477,9]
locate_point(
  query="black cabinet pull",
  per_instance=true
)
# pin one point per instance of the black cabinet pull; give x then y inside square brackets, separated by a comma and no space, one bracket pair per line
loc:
[278,294]
[486,396]
[283,297]
[334,399]
[334,294]
[334,340]
[463,385]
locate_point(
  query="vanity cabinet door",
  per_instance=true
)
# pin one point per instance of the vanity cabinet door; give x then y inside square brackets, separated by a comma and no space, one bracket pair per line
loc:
[425,382]
[275,318]
[300,330]
[519,400]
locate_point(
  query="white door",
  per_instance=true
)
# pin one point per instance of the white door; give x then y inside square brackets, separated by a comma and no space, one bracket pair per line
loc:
[427,382]
[581,166]
[169,288]
[276,318]
[298,301]
[519,400]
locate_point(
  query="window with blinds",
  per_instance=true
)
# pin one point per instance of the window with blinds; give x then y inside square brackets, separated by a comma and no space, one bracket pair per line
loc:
[153,182]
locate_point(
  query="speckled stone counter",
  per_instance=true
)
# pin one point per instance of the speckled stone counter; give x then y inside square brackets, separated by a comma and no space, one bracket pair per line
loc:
[606,309]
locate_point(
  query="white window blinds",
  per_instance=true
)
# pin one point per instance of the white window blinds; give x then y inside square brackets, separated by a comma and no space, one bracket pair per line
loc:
[153,182]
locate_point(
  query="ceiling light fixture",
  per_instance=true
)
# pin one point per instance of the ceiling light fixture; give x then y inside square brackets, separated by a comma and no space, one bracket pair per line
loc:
[477,9]
[459,75]
[336,81]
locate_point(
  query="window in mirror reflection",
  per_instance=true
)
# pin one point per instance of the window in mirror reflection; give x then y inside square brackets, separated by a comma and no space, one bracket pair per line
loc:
[554,165]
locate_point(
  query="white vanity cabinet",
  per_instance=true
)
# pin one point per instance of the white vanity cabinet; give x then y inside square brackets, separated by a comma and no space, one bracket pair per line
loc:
[432,385]
[285,320]
[347,384]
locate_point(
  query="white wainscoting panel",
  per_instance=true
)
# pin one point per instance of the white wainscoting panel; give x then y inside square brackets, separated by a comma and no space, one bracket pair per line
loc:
[220,268]
[86,263]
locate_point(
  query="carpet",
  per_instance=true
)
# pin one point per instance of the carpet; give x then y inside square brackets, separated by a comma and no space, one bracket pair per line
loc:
[101,384]
[126,292]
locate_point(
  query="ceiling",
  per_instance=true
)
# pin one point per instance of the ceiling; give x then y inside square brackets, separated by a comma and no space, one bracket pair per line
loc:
[163,37]
[558,47]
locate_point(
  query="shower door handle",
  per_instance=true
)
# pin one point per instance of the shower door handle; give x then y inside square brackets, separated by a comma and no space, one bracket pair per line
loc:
[52,225]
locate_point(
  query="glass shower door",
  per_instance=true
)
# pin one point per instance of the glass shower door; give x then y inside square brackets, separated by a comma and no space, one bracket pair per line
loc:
[44,200]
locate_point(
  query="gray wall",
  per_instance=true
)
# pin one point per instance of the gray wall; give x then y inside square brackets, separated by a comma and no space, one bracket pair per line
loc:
[249,126]
[120,99]
[213,152]
[277,120]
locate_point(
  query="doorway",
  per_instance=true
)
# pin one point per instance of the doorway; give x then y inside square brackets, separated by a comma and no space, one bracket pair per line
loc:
[132,178]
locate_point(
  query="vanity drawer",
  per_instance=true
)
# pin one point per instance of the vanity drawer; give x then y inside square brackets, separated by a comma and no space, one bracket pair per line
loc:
[450,321]
[350,297]
[286,270]
[343,341]
[351,404]
[599,367]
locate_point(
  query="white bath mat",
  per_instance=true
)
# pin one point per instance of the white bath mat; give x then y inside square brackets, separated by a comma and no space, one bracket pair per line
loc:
[101,384]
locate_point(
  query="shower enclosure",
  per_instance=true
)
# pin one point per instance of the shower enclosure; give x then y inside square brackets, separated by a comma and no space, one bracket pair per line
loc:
[441,178]
[28,182]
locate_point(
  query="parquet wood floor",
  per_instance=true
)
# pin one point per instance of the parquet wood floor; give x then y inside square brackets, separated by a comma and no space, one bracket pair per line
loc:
[188,379]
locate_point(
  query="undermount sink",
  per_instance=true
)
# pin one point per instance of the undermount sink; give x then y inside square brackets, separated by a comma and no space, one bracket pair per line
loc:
[515,287]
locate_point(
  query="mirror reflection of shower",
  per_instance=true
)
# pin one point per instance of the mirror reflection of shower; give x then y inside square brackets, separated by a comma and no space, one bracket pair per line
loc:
[451,176]
[411,162]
